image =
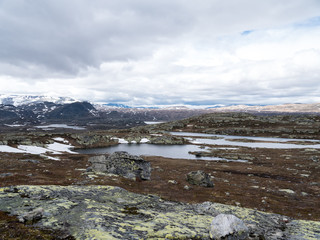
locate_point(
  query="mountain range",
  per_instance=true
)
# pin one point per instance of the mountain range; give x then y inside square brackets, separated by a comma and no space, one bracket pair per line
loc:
[33,110]
[17,100]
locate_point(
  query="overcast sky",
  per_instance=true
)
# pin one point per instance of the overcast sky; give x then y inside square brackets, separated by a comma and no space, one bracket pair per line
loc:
[143,52]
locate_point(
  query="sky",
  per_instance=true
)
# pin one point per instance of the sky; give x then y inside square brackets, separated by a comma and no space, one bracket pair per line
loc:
[168,52]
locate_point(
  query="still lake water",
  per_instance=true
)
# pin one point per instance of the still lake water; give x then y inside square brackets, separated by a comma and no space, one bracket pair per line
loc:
[169,151]
[278,143]
[182,151]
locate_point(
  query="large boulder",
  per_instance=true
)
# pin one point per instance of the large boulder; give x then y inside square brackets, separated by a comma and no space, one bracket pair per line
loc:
[123,164]
[228,227]
[199,178]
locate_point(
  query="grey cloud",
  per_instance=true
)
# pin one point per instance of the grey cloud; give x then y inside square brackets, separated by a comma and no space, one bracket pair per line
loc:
[160,52]
[69,36]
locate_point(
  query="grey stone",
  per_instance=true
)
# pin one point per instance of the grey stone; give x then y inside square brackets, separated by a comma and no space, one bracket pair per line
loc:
[199,178]
[6,174]
[31,161]
[32,216]
[123,164]
[186,187]
[229,227]
[98,163]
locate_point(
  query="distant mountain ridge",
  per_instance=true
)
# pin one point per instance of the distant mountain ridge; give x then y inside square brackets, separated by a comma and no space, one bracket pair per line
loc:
[18,100]
[20,109]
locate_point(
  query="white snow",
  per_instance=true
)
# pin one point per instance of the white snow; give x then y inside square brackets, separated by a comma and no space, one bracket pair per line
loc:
[52,158]
[120,140]
[18,100]
[14,125]
[35,149]
[193,141]
[54,148]
[5,148]
[59,147]
[152,122]
[144,140]
[51,126]
[60,139]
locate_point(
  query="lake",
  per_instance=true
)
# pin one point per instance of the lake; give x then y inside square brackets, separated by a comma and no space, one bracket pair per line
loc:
[279,143]
[182,151]
[169,151]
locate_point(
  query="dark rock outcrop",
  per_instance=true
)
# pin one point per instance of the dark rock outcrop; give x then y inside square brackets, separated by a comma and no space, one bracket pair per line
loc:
[73,110]
[123,164]
[199,178]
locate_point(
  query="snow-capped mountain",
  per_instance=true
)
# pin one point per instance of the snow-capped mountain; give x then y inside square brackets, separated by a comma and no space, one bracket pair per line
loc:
[18,100]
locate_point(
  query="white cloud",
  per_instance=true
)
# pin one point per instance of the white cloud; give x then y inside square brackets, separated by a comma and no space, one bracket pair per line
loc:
[170,52]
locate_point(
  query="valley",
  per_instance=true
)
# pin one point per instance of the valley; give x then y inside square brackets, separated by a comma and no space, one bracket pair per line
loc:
[268,163]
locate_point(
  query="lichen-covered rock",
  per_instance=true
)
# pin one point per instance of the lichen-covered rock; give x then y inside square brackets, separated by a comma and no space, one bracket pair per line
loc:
[167,140]
[93,140]
[98,163]
[123,164]
[31,216]
[105,212]
[228,227]
[199,178]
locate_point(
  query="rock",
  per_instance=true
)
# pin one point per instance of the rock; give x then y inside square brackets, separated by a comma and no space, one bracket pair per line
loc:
[229,227]
[199,178]
[98,164]
[167,140]
[123,164]
[172,182]
[107,212]
[93,140]
[32,216]
[2,175]
[31,161]
[314,158]
[289,191]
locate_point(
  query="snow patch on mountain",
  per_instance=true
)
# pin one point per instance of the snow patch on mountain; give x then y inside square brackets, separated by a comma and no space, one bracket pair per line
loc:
[18,100]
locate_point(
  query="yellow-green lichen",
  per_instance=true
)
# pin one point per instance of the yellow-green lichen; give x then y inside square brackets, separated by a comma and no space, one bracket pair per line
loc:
[104,212]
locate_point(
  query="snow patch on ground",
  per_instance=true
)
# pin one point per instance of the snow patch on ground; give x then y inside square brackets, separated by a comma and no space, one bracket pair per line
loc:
[52,126]
[14,125]
[54,148]
[120,140]
[60,139]
[35,149]
[5,148]
[144,140]
[59,147]
[191,140]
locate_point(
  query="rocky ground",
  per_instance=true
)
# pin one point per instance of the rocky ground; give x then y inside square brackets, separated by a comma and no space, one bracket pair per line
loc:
[105,212]
[280,181]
